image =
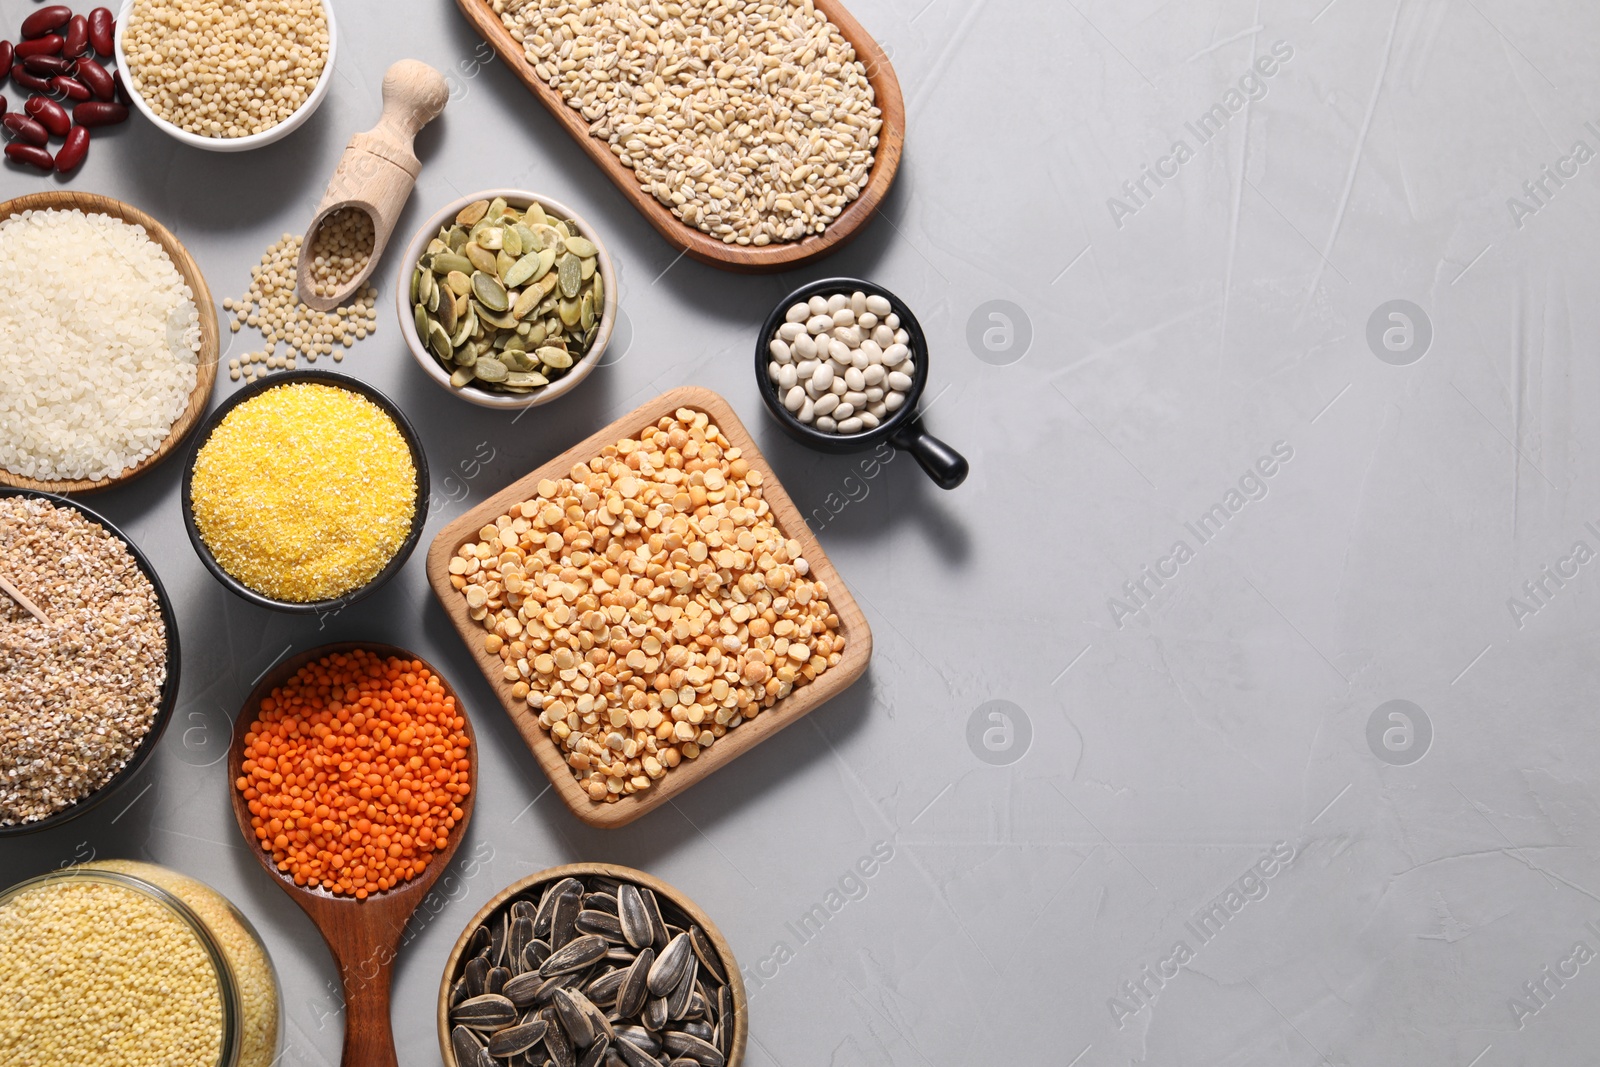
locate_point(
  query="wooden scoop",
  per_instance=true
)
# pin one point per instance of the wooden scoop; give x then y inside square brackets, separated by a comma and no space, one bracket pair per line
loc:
[21,598]
[363,935]
[378,170]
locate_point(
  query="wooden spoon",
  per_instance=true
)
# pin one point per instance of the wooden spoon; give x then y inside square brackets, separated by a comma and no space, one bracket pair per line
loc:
[377,171]
[363,935]
[17,595]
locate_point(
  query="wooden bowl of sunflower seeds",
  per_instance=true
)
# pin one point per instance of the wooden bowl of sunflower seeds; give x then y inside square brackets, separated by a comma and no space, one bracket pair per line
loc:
[591,965]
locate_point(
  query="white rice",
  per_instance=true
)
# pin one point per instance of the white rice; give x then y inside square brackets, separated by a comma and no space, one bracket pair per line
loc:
[99,343]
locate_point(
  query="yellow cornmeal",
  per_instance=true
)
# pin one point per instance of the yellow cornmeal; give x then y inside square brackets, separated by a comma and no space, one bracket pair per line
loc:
[304,492]
[252,970]
[102,974]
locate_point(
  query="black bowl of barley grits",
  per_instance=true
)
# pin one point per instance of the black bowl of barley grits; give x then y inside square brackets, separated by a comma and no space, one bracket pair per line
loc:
[84,698]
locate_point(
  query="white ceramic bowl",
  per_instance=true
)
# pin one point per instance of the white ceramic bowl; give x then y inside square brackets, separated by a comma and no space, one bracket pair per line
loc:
[430,365]
[232,144]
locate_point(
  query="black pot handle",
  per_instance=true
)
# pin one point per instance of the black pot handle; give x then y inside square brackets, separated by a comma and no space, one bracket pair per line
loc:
[947,467]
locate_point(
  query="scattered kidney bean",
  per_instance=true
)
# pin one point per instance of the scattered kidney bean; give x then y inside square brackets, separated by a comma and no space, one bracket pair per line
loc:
[98,113]
[77,42]
[72,153]
[45,20]
[97,78]
[6,59]
[30,154]
[52,115]
[102,29]
[46,66]
[30,81]
[25,129]
[48,45]
[3,106]
[70,88]
[121,89]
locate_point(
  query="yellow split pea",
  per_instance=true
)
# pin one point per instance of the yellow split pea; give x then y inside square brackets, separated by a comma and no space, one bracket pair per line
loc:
[305,492]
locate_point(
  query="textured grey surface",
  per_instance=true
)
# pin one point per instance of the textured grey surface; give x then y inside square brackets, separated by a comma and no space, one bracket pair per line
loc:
[1157,743]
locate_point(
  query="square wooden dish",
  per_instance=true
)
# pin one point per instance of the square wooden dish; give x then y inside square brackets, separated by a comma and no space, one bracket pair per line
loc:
[852,624]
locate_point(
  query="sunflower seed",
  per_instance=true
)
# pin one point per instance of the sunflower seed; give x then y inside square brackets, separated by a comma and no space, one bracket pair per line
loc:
[563,921]
[702,1052]
[606,902]
[634,987]
[476,975]
[496,982]
[635,920]
[574,956]
[510,1040]
[698,1029]
[465,1044]
[633,1055]
[523,989]
[597,1052]
[671,965]
[656,1014]
[574,1019]
[603,990]
[601,923]
[707,953]
[678,999]
[560,1048]
[658,926]
[490,1011]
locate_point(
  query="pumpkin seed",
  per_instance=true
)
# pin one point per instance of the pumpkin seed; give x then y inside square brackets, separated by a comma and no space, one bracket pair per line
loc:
[509,299]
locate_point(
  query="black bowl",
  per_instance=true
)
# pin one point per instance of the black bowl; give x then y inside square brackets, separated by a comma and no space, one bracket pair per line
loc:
[419,516]
[169,690]
[903,429]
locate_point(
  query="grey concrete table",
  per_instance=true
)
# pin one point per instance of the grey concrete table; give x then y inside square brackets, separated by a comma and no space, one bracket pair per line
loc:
[1234,712]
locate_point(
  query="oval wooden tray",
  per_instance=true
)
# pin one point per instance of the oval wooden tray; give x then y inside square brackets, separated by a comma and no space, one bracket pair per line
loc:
[703,247]
[664,890]
[852,623]
[210,346]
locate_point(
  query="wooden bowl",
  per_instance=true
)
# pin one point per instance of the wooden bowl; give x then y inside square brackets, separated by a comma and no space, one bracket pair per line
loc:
[748,259]
[363,935]
[669,893]
[169,689]
[210,346]
[852,623]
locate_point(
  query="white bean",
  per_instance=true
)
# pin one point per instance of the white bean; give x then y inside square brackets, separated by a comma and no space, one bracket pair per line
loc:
[844,317]
[806,368]
[780,351]
[798,313]
[897,381]
[891,320]
[902,338]
[788,377]
[772,370]
[826,403]
[838,387]
[859,360]
[805,414]
[908,368]
[874,353]
[850,335]
[839,352]
[805,346]
[867,322]
[895,355]
[790,330]
[883,335]
[822,377]
[879,305]
[794,399]
[858,303]
[855,399]
[874,393]
[826,424]
[850,425]
[855,379]
[880,410]
[822,324]
[844,411]
[818,305]
[873,375]
[869,420]
[894,401]
[837,301]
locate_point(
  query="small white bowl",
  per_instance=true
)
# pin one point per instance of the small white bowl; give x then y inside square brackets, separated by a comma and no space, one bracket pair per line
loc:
[563,385]
[231,144]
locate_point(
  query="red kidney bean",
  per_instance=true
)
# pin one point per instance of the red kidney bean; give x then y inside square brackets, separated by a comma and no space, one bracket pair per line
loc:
[51,114]
[33,155]
[77,37]
[121,90]
[102,31]
[25,129]
[97,78]
[47,66]
[74,150]
[3,106]
[70,88]
[7,57]
[46,20]
[97,113]
[48,45]
[30,81]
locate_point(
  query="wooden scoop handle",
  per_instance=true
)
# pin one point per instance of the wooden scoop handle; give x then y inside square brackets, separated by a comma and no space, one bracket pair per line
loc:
[414,94]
